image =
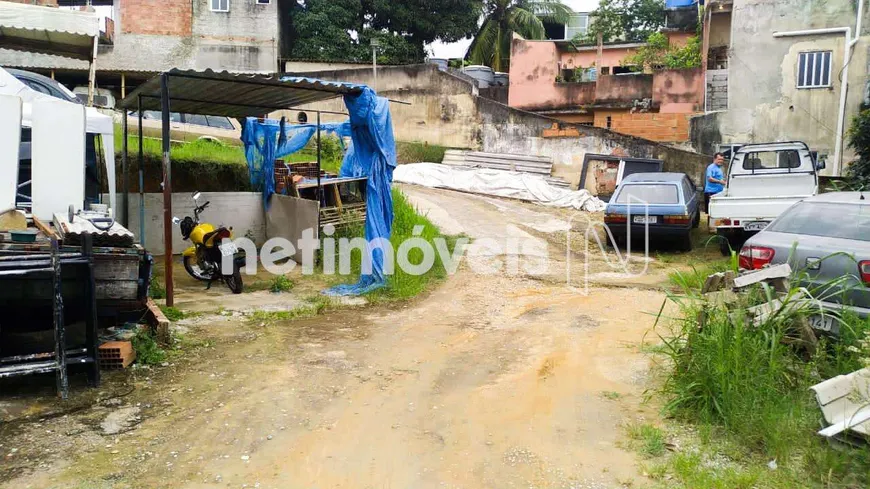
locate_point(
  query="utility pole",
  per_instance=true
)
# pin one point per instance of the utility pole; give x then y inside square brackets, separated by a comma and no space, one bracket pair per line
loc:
[375,45]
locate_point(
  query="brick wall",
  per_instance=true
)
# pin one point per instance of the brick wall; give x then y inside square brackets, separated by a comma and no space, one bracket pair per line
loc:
[160,17]
[671,127]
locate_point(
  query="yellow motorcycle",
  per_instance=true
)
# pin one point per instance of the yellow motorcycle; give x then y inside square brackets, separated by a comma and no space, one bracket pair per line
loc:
[203,260]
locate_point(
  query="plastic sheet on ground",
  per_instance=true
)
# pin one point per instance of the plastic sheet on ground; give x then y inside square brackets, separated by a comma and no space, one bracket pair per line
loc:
[498,183]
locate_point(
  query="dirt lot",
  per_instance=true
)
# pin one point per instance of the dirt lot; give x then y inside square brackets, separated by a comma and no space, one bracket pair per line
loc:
[502,380]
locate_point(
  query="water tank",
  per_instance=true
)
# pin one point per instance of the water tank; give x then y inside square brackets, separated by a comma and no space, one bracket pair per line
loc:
[501,79]
[483,74]
[440,62]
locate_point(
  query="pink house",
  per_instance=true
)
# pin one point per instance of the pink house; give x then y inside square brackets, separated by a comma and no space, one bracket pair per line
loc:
[592,85]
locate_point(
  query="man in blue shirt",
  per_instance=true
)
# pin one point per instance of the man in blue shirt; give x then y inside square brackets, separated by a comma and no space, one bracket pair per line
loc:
[714,179]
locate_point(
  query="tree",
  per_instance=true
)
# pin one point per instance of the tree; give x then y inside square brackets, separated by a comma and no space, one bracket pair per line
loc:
[627,20]
[859,140]
[342,30]
[491,45]
[657,54]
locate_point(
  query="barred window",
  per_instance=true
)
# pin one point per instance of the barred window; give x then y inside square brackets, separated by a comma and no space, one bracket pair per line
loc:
[814,69]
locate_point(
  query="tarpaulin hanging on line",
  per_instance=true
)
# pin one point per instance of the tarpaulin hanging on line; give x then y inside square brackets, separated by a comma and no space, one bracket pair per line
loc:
[269,139]
[372,155]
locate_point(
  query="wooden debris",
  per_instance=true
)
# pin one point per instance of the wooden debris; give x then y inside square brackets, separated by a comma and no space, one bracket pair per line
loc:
[768,273]
[713,283]
[763,312]
[46,230]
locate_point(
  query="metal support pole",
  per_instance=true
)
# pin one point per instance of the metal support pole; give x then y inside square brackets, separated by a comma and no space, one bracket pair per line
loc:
[123,86]
[92,75]
[319,193]
[59,331]
[125,181]
[167,191]
[141,176]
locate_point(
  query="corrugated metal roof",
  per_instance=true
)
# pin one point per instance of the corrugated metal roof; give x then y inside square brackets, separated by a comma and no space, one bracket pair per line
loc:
[234,95]
[48,30]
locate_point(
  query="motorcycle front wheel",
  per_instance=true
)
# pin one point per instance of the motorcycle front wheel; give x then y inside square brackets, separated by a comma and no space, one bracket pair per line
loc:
[193,269]
[234,281]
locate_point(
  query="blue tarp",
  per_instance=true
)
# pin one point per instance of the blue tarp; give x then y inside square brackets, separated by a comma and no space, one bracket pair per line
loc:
[680,3]
[267,140]
[372,154]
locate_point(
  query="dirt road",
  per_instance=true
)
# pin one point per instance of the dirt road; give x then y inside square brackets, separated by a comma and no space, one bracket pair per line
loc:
[489,381]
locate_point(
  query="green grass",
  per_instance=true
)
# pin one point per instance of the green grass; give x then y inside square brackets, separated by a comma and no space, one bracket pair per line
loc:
[401,284]
[747,387]
[647,439]
[316,304]
[147,350]
[276,284]
[174,314]
[415,152]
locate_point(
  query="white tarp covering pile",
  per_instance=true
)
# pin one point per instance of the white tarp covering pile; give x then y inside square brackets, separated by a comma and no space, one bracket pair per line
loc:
[48,30]
[499,183]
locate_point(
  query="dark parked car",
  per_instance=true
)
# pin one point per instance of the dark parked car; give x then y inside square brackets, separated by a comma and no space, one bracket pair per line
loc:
[824,237]
[664,204]
[44,85]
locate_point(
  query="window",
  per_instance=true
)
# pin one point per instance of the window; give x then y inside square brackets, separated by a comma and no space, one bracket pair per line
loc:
[814,219]
[577,25]
[688,189]
[219,122]
[649,193]
[814,69]
[220,5]
[197,119]
[264,2]
[771,160]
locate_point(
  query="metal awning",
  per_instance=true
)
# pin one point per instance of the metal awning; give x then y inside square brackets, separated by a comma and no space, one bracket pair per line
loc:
[47,30]
[233,95]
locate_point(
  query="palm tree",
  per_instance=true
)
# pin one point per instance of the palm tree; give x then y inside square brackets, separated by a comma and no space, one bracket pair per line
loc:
[492,43]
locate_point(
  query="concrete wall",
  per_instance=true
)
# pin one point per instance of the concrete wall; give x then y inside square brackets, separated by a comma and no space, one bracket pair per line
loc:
[763,101]
[152,35]
[447,111]
[241,210]
[302,66]
[679,91]
[506,130]
[441,111]
[720,29]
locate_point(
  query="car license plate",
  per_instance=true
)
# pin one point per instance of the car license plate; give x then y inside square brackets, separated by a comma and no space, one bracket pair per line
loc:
[228,249]
[755,226]
[826,323]
[645,219]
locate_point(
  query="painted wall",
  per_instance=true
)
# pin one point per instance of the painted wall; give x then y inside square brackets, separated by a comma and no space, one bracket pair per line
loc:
[764,103]
[241,210]
[152,35]
[679,91]
[536,64]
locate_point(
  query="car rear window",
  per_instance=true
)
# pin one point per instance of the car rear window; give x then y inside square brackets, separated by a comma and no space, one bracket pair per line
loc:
[769,160]
[652,193]
[832,220]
